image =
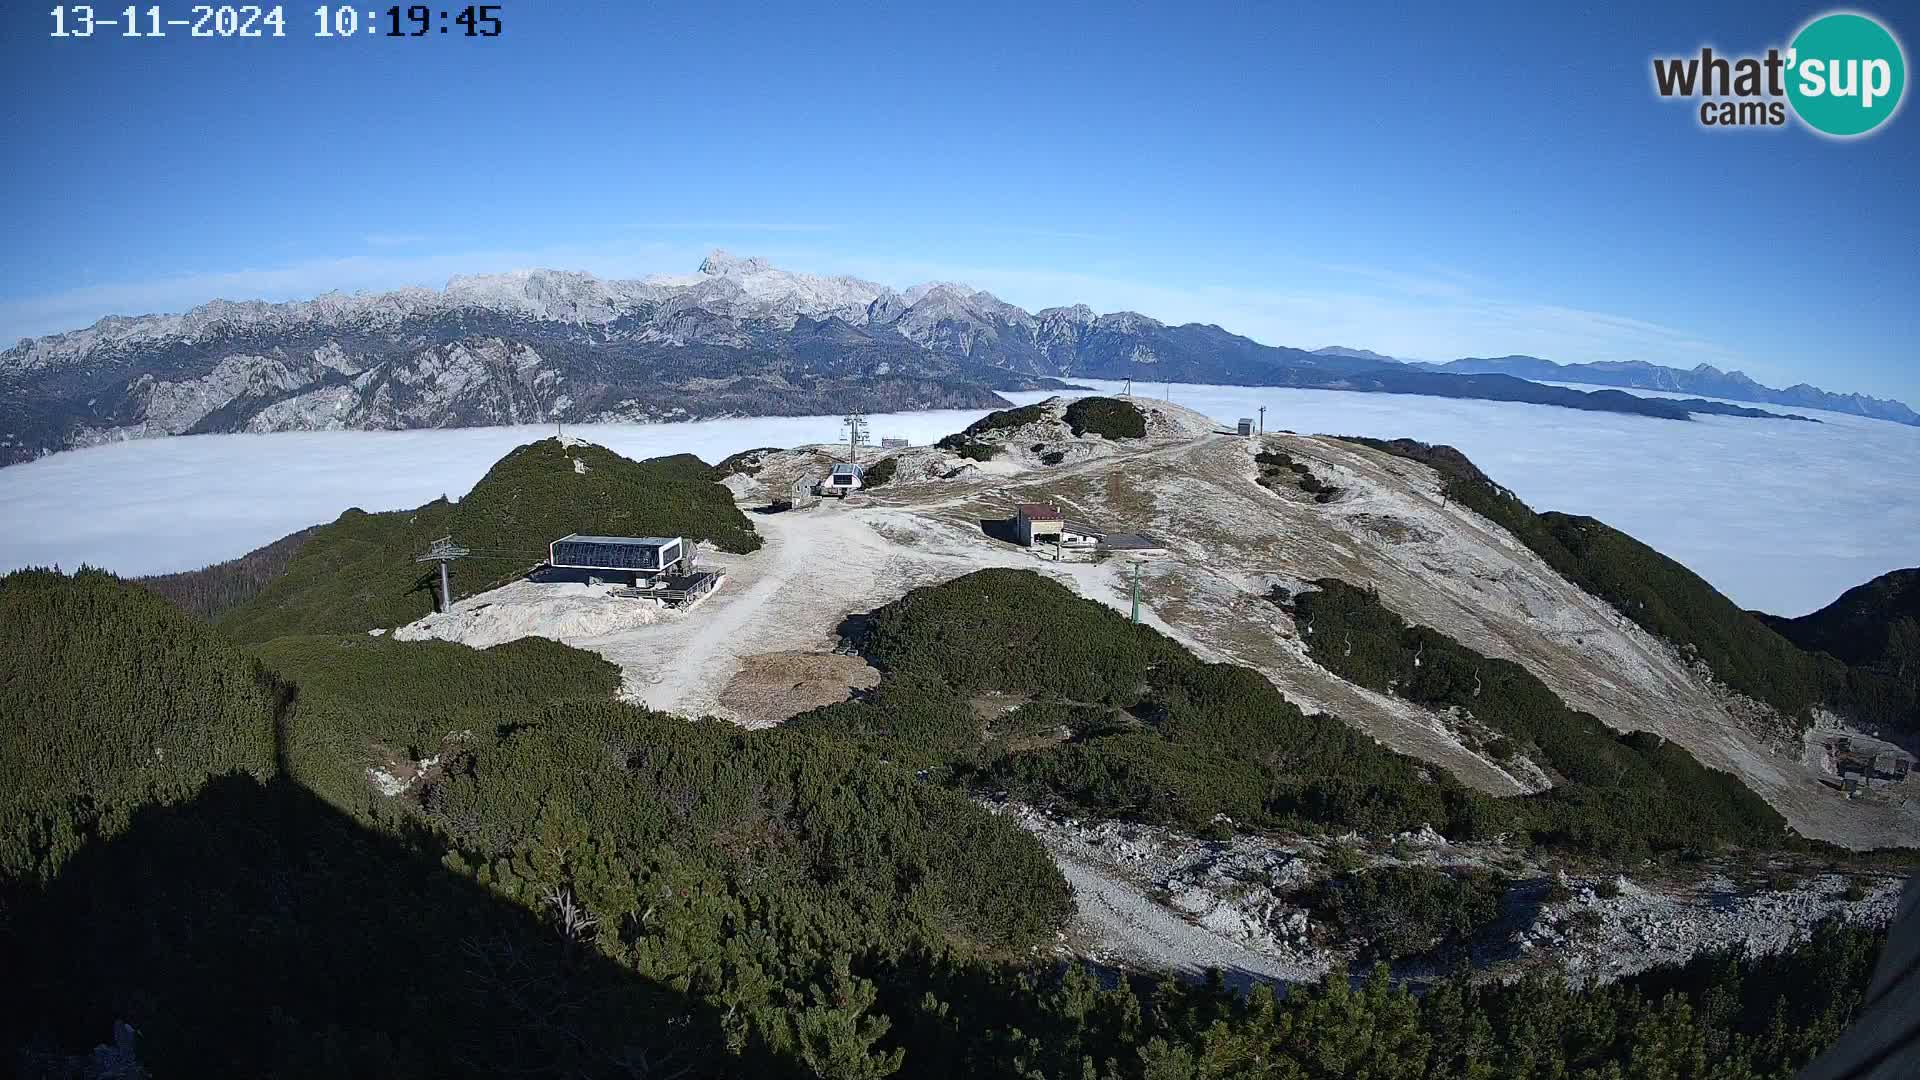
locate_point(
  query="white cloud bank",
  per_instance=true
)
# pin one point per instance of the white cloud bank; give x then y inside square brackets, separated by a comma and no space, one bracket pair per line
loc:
[1779,515]
[158,505]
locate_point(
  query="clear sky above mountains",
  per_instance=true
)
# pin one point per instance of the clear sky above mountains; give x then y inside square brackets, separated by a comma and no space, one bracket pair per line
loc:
[1428,181]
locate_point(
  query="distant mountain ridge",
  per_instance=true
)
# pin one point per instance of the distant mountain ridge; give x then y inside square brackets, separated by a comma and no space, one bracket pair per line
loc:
[738,338]
[1357,354]
[1704,379]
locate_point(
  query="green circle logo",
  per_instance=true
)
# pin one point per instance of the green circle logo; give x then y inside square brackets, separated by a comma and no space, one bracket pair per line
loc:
[1846,74]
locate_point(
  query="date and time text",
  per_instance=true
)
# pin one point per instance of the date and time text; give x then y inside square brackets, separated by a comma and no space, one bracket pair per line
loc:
[272,21]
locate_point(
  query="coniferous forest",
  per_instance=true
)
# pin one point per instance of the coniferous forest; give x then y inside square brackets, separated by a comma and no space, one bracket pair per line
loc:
[578,887]
[278,846]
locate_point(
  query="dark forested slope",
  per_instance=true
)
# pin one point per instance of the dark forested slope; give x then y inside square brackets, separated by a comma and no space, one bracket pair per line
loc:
[1874,631]
[213,590]
[564,886]
[1875,624]
[368,703]
[358,573]
[112,699]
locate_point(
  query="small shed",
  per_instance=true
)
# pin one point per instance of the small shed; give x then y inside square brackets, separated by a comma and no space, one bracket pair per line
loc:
[1032,520]
[1246,425]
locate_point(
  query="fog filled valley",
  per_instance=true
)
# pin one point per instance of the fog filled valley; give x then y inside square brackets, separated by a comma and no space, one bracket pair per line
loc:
[1296,755]
[1780,517]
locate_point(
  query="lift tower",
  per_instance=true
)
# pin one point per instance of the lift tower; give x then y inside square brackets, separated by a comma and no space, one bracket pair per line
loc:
[443,551]
[856,424]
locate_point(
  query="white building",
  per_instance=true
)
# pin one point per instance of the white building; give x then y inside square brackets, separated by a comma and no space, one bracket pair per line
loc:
[1043,520]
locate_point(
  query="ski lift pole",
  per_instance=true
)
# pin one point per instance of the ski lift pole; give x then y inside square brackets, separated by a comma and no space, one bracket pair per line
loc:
[443,551]
[1136,593]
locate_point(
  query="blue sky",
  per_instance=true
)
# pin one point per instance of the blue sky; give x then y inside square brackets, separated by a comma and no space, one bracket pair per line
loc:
[1427,180]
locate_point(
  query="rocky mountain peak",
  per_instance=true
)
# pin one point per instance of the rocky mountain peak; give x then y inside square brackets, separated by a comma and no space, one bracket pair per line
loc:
[1128,322]
[720,263]
[886,308]
[941,290]
[1079,315]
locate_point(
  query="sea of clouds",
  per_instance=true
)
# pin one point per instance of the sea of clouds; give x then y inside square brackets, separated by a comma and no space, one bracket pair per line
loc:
[1779,515]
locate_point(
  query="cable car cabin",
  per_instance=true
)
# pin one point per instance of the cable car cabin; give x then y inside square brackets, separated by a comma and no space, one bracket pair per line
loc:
[843,480]
[631,560]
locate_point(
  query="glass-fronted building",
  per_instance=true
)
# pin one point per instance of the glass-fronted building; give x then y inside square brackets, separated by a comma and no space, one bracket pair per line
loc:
[632,554]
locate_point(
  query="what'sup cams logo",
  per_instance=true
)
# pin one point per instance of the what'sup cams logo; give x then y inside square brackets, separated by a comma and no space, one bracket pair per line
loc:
[1843,76]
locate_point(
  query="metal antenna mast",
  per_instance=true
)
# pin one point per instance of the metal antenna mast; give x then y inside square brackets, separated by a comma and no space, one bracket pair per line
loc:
[1127,390]
[1136,592]
[1263,419]
[443,551]
[856,424]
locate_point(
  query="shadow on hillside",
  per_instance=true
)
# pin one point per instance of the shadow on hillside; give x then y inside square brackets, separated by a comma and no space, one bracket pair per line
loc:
[258,931]
[428,583]
[855,633]
[1002,529]
[550,575]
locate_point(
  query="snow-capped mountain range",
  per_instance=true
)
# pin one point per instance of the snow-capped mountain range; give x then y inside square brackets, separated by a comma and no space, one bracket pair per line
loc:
[739,337]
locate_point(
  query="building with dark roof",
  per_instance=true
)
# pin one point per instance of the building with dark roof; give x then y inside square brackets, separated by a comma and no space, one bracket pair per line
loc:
[1037,519]
[621,558]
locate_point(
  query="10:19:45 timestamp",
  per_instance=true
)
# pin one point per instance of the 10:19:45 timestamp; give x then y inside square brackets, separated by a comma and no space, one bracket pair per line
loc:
[414,20]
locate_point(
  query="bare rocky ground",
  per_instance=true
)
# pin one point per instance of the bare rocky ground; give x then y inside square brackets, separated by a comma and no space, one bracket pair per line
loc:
[526,609]
[771,687]
[1232,540]
[768,645]
[1615,927]
[1152,898]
